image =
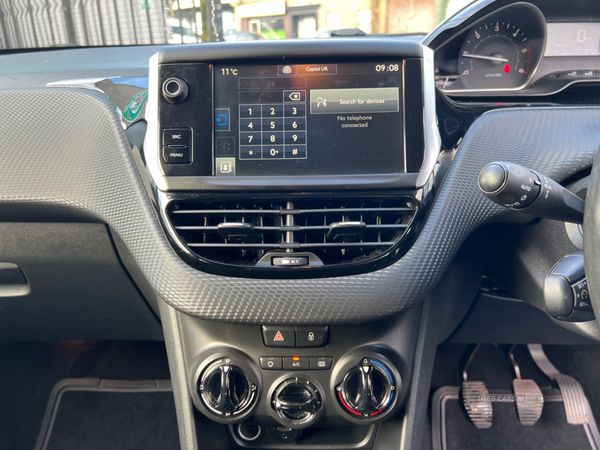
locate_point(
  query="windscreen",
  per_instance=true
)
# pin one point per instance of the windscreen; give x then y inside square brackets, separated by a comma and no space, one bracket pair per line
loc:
[82,23]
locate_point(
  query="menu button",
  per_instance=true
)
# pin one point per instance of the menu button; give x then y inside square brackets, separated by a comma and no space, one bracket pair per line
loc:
[177,155]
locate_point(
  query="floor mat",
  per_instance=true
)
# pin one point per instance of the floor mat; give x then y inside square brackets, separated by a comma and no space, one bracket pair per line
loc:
[452,430]
[94,414]
[30,370]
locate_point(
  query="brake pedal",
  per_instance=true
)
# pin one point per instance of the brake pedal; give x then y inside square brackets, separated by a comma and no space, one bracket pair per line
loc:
[528,395]
[574,399]
[476,399]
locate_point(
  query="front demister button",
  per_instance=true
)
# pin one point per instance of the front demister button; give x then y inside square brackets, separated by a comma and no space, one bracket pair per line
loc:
[367,390]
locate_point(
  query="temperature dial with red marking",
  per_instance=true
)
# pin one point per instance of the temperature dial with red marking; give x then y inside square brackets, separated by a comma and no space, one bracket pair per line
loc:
[367,390]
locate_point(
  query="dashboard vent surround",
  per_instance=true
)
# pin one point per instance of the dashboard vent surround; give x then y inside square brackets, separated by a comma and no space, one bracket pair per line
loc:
[248,233]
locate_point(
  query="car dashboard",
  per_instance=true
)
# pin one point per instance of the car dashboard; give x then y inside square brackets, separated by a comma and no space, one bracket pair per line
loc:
[301,221]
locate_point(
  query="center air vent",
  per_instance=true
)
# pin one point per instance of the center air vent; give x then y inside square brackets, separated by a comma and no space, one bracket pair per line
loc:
[251,233]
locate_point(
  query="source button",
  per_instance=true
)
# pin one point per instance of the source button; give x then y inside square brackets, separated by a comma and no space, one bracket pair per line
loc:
[177,136]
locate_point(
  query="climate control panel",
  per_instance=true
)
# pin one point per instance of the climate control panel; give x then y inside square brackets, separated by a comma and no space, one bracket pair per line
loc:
[355,378]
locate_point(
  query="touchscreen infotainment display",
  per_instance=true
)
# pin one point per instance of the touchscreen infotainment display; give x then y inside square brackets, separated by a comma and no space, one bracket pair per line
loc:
[309,119]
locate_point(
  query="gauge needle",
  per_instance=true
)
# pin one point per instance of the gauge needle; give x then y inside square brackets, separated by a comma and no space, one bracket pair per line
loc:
[489,58]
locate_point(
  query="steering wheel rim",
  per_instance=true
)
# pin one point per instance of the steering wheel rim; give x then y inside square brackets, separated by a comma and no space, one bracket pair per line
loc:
[591,242]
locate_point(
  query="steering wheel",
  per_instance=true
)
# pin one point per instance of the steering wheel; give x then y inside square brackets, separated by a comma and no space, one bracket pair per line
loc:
[591,243]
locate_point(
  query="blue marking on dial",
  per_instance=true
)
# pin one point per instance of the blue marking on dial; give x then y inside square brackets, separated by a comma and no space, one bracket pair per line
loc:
[384,368]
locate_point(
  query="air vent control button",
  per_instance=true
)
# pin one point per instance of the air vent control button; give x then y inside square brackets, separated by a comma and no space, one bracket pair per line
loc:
[290,261]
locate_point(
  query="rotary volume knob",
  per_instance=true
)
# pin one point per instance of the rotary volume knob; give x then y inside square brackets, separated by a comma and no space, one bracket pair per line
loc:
[175,90]
[226,390]
[367,389]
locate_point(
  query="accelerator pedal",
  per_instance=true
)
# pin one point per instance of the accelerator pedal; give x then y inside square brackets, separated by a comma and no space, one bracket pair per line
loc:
[574,399]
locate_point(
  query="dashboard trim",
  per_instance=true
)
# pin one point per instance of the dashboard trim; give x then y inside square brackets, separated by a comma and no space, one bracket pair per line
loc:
[433,141]
[151,147]
[98,179]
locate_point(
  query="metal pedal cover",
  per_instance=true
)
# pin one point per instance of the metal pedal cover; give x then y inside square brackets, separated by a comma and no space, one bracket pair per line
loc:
[528,395]
[574,399]
[477,403]
[529,400]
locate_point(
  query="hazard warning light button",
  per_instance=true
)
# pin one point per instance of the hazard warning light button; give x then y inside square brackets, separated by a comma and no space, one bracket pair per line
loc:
[275,336]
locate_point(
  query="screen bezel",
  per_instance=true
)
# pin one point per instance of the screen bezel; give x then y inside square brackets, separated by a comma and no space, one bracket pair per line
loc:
[419,111]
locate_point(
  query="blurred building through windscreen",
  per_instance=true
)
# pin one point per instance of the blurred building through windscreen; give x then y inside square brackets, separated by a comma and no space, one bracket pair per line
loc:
[63,23]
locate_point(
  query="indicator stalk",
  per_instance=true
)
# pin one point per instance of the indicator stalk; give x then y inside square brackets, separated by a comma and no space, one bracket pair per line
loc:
[522,189]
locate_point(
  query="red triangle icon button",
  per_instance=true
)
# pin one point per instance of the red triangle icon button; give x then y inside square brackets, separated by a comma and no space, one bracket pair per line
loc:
[278,337]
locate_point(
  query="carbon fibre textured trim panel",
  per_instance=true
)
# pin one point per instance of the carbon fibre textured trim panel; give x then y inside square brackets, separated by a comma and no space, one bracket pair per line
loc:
[64,149]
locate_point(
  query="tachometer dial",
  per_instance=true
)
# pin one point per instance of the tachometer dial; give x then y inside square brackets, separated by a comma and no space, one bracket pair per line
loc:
[502,51]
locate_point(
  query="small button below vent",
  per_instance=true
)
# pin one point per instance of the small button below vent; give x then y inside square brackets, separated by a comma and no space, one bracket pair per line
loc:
[291,234]
[290,261]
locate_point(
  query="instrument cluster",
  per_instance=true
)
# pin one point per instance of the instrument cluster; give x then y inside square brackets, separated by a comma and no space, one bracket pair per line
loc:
[513,50]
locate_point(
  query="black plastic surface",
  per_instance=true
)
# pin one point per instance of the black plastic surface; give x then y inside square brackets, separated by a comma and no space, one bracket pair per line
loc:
[194,225]
[287,50]
[506,145]
[192,111]
[515,322]
[312,438]
[96,179]
[175,90]
[79,289]
[566,293]
[517,187]
[136,134]
[195,65]
[491,178]
[558,296]
[391,341]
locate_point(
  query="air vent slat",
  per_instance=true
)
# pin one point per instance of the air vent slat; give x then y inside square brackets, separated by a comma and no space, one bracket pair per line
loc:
[224,212]
[284,245]
[289,212]
[336,231]
[331,211]
[285,228]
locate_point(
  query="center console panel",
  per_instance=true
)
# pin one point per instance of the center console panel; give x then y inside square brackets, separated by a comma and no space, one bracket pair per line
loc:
[311,159]
[294,160]
[242,373]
